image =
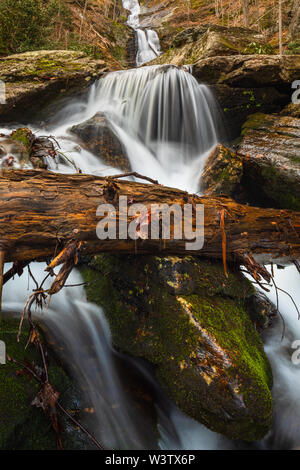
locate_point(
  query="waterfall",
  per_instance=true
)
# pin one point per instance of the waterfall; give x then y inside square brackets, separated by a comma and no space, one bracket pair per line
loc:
[147,39]
[165,120]
[167,123]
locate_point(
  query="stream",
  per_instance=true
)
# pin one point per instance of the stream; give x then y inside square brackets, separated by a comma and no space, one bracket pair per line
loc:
[157,112]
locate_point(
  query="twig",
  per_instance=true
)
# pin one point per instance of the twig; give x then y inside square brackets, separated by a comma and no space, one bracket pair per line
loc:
[80,426]
[277,308]
[17,268]
[78,170]
[133,173]
[296,263]
[38,379]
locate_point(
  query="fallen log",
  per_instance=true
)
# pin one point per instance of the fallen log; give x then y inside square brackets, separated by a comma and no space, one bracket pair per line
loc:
[41,212]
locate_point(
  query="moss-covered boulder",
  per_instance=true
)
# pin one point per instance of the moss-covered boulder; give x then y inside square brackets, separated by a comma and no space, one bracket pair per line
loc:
[34,79]
[190,321]
[222,172]
[270,149]
[97,135]
[22,425]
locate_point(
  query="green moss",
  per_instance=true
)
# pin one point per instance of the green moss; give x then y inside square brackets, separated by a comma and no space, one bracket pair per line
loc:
[278,190]
[254,121]
[167,310]
[23,136]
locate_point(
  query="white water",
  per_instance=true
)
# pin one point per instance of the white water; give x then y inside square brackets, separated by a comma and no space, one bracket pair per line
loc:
[147,39]
[167,123]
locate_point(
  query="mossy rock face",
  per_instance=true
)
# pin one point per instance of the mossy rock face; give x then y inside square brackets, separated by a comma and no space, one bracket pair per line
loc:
[23,426]
[187,318]
[222,172]
[271,158]
[34,79]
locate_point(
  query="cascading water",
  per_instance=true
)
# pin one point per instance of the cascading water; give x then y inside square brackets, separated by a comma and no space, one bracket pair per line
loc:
[156,112]
[167,123]
[147,39]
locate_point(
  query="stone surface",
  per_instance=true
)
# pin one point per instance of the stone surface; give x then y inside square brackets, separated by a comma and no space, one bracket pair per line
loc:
[261,310]
[248,71]
[98,137]
[248,84]
[270,149]
[34,79]
[222,172]
[189,320]
[195,43]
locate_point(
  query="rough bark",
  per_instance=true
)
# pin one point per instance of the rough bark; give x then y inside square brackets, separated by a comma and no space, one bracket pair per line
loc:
[41,211]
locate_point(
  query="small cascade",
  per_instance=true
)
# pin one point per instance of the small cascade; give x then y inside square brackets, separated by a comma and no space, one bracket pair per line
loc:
[164,119]
[148,46]
[167,123]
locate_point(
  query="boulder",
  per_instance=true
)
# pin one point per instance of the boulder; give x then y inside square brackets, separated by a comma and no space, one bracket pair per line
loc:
[248,84]
[261,311]
[222,172]
[34,79]
[189,320]
[196,43]
[270,150]
[98,137]
[249,71]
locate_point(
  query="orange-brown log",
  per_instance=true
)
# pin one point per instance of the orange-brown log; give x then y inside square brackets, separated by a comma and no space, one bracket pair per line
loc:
[41,211]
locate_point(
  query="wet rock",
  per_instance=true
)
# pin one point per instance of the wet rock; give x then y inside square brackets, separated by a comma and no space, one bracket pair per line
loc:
[190,321]
[222,173]
[270,149]
[248,84]
[261,310]
[196,43]
[22,149]
[23,426]
[249,71]
[98,137]
[34,79]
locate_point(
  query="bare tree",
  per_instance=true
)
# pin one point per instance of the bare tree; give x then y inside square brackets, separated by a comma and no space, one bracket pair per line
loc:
[246,12]
[217,8]
[188,4]
[280,28]
[82,19]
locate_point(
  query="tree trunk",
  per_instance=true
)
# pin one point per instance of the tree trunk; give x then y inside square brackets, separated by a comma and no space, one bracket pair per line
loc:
[280,29]
[42,211]
[246,13]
